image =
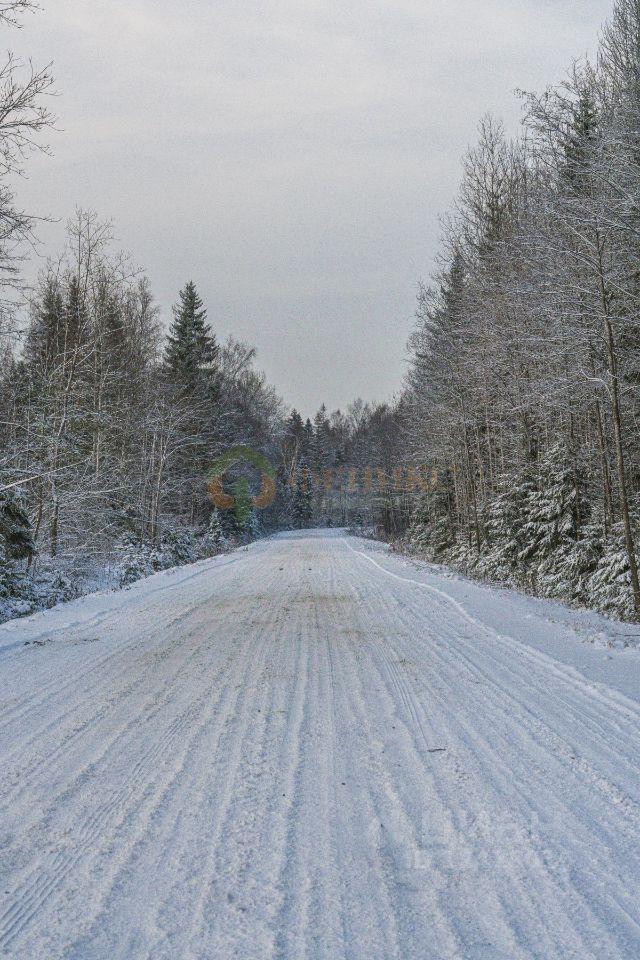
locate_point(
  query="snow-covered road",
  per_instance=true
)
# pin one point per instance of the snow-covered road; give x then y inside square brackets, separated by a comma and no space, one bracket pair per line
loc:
[313,749]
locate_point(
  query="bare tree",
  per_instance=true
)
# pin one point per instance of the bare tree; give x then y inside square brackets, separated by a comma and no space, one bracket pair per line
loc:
[24,114]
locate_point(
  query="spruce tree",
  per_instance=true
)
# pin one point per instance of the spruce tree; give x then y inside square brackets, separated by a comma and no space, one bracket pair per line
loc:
[294,429]
[191,347]
[307,439]
[75,320]
[302,505]
[44,336]
[16,534]
[321,447]
[215,530]
[581,139]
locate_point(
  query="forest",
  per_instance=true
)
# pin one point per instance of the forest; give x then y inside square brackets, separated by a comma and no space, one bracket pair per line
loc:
[510,452]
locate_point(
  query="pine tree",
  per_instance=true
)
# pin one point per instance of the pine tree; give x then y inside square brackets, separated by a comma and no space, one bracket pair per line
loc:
[321,446]
[191,347]
[16,535]
[43,340]
[291,450]
[581,137]
[75,319]
[294,427]
[302,504]
[307,439]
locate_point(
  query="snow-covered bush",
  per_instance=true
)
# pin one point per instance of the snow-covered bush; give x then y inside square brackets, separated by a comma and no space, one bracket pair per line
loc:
[24,591]
[609,586]
[134,562]
[51,581]
[16,544]
[430,531]
[215,531]
[538,534]
[176,547]
[10,603]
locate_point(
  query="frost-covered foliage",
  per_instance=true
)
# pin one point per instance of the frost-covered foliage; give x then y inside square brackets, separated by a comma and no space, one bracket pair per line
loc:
[16,544]
[16,534]
[28,587]
[538,534]
[431,530]
[215,531]
[25,591]
[608,588]
[177,547]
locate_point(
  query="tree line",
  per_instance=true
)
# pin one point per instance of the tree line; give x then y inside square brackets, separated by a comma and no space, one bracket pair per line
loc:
[109,425]
[524,380]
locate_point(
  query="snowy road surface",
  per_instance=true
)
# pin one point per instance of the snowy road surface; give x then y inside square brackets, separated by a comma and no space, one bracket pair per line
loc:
[312,749]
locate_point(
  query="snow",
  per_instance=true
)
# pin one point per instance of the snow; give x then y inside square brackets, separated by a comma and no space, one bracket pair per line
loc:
[311,747]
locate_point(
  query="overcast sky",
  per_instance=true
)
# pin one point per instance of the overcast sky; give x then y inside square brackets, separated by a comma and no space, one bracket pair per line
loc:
[290,156]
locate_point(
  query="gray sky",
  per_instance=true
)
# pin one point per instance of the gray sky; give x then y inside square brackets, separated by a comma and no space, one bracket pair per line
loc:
[292,158]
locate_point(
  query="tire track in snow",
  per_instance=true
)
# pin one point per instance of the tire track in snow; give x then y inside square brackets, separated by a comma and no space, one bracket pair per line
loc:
[309,876]
[443,814]
[466,857]
[107,742]
[495,762]
[39,886]
[55,691]
[149,845]
[48,877]
[233,750]
[610,698]
[136,631]
[523,681]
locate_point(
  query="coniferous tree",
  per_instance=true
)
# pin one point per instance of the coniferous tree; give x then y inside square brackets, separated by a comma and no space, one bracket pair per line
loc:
[44,334]
[16,534]
[302,505]
[191,347]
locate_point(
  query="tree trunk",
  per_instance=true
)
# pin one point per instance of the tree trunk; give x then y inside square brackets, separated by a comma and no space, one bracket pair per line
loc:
[617,432]
[54,526]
